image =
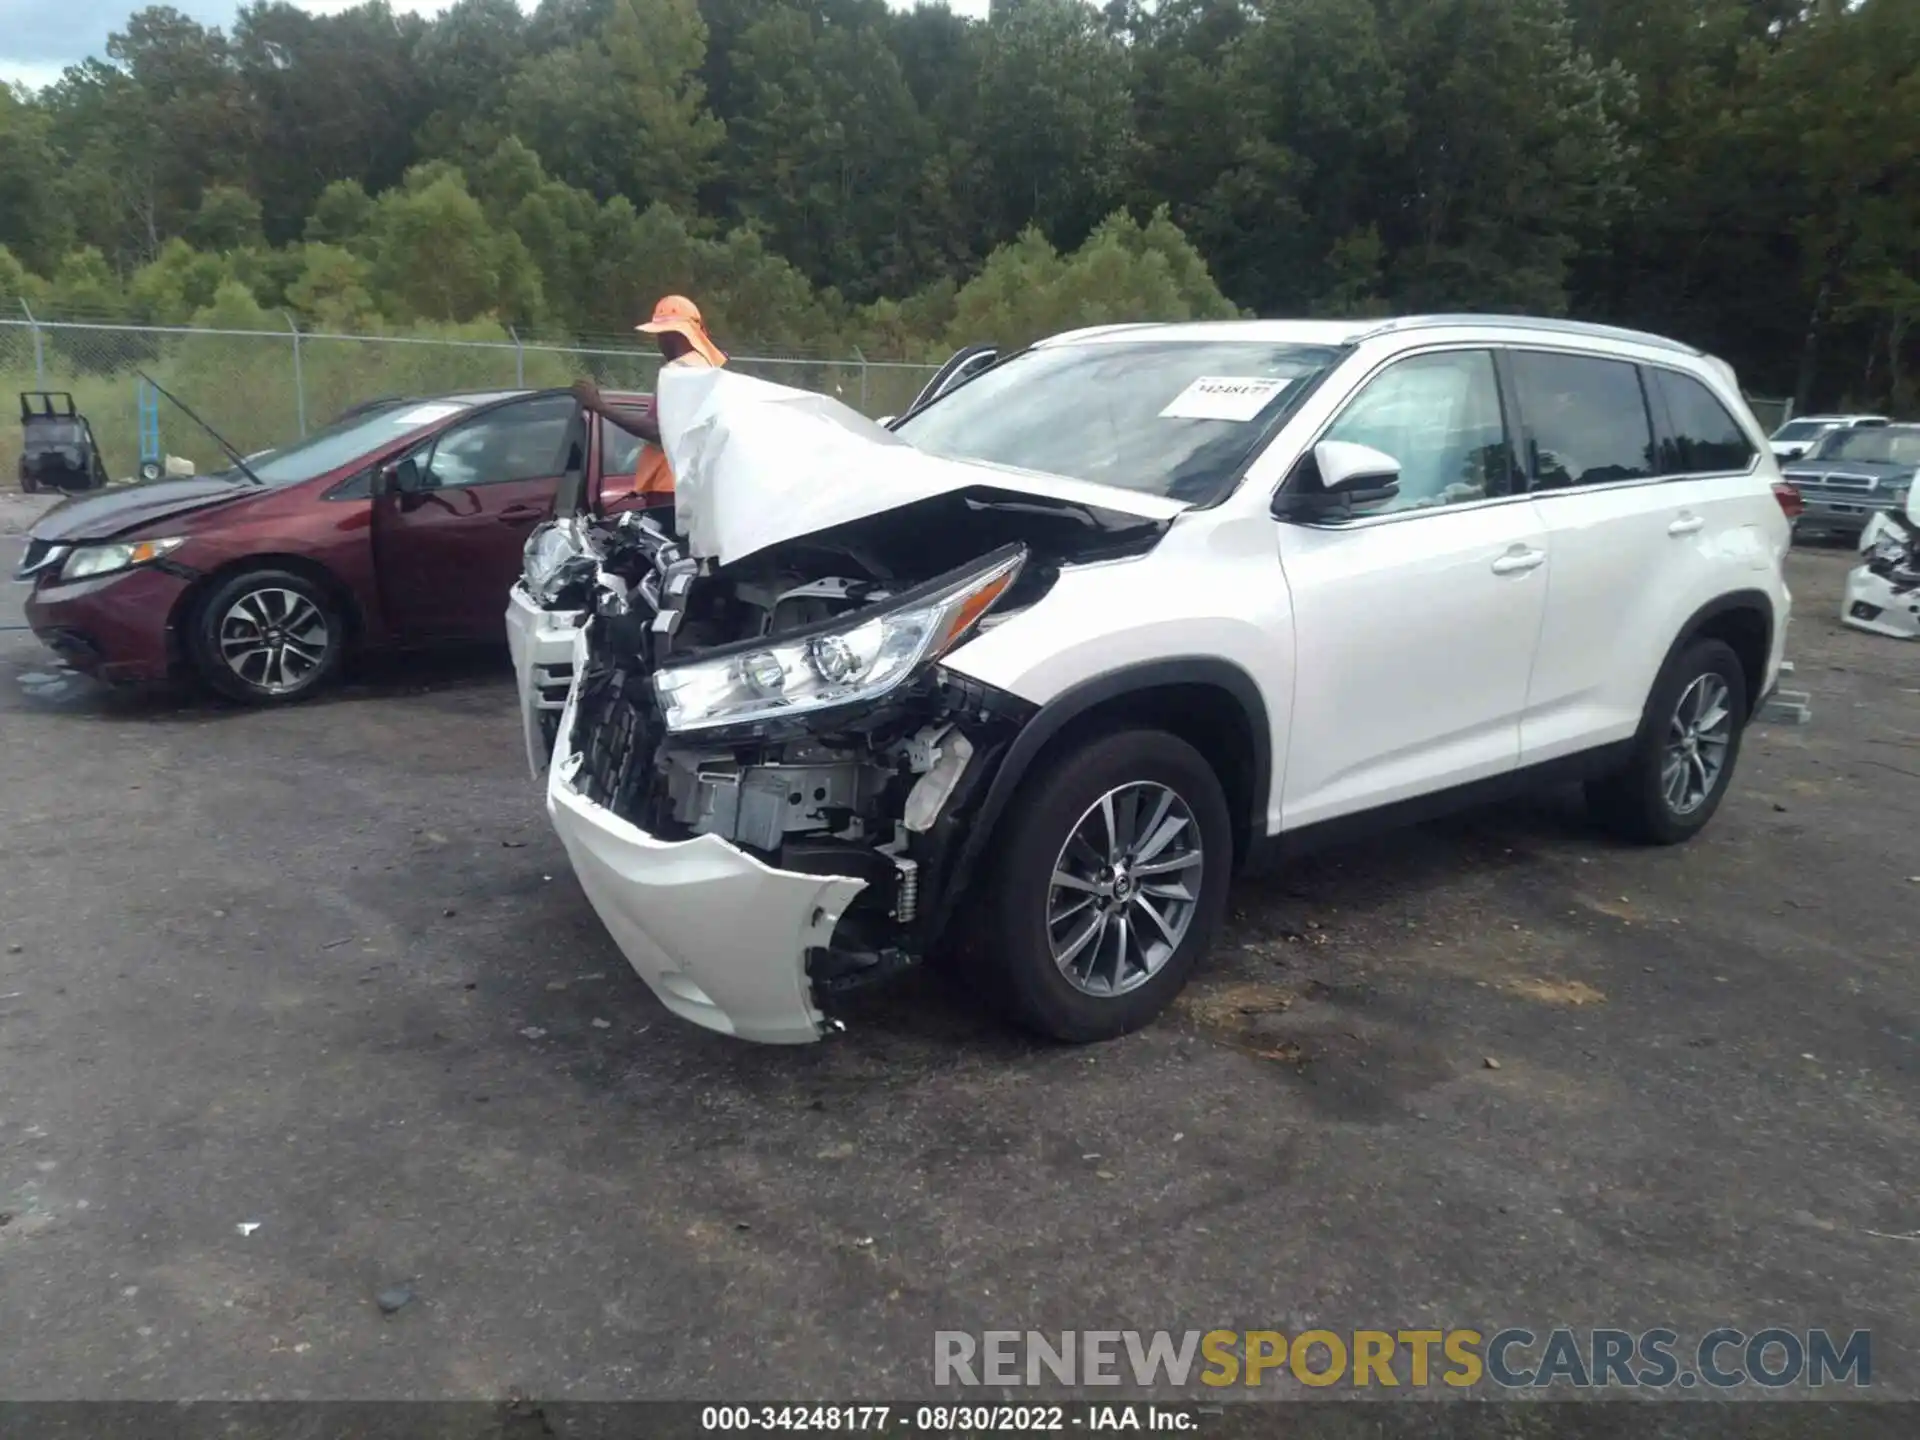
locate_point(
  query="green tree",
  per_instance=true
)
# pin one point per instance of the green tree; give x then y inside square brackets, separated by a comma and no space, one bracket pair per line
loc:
[33,223]
[831,157]
[1123,273]
[1055,117]
[227,218]
[625,113]
[437,258]
[342,215]
[334,289]
[176,283]
[335,97]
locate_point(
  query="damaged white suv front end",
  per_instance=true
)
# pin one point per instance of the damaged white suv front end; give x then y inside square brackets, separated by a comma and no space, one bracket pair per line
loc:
[765,764]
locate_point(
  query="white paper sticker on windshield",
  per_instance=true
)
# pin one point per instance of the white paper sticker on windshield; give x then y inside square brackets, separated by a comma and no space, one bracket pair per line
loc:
[426,414]
[1223,397]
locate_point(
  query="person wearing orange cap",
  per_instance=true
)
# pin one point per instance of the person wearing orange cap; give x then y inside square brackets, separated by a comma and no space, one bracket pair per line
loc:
[683,341]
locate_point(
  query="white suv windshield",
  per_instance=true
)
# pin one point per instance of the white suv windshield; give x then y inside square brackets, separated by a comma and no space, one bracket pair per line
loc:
[1171,417]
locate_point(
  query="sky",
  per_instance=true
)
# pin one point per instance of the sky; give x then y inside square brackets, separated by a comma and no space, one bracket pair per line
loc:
[39,39]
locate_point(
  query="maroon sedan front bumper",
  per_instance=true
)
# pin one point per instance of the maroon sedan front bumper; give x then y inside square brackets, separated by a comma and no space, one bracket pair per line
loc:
[114,627]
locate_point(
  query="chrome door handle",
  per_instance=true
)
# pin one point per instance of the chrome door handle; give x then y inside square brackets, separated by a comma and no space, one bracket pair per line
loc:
[1518,562]
[1686,525]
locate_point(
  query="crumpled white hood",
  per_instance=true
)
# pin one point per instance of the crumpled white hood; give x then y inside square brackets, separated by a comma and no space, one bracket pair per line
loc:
[756,463]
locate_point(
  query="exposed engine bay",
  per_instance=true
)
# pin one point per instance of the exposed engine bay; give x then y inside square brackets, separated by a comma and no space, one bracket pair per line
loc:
[792,703]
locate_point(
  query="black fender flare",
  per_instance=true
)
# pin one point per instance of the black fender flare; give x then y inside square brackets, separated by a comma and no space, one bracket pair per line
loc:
[1077,700]
[1756,602]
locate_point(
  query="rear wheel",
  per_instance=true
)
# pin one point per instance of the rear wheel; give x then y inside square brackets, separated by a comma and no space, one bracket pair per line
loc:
[1684,757]
[1108,887]
[267,637]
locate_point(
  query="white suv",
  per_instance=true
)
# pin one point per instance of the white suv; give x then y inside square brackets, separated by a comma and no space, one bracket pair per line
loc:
[1032,675]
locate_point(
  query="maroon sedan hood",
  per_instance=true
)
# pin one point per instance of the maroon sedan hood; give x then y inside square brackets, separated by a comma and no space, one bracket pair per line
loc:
[102,514]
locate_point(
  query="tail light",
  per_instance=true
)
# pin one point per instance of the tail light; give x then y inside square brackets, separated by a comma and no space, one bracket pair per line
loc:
[1791,505]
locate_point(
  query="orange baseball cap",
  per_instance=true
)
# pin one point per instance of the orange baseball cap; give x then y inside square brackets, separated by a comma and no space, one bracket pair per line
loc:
[678,315]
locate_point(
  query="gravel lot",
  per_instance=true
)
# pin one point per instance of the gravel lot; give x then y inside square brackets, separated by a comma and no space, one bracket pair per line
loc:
[324,972]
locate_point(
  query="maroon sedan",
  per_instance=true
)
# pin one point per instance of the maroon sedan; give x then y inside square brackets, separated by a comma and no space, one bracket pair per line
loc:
[401,524]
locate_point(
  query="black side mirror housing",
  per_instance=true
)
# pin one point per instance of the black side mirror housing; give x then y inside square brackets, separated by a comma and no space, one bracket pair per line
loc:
[400,478]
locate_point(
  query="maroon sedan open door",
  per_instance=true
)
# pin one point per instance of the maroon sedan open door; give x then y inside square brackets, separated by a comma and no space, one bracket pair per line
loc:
[449,523]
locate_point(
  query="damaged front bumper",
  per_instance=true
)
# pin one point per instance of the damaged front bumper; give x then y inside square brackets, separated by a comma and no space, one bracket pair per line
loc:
[720,937]
[541,643]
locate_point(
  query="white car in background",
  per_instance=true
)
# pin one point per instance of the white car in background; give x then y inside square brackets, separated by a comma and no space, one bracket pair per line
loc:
[1803,432]
[1131,610]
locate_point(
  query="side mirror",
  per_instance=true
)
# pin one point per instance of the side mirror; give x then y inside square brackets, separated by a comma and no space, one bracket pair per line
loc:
[1351,469]
[401,478]
[1348,475]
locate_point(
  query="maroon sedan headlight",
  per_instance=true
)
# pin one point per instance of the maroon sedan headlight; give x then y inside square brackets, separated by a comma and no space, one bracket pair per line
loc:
[87,561]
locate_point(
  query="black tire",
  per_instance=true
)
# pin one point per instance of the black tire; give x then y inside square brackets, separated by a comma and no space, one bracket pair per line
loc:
[1012,940]
[226,607]
[1633,802]
[28,485]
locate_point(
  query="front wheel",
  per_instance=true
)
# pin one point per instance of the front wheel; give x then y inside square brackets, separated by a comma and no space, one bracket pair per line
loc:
[1684,757]
[267,637]
[1108,886]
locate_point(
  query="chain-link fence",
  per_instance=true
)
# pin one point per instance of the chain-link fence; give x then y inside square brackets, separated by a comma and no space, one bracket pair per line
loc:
[261,388]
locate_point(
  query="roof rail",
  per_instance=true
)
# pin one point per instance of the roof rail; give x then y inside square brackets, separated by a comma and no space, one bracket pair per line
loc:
[1538,323]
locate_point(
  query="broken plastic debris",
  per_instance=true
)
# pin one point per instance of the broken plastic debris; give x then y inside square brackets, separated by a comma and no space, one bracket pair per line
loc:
[247,1227]
[600,1024]
[532,1032]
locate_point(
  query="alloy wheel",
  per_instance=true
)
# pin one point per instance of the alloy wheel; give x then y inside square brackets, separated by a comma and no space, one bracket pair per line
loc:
[1699,735]
[1125,888]
[274,639]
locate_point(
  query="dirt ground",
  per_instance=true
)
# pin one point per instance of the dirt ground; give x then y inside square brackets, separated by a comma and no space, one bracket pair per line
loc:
[301,1006]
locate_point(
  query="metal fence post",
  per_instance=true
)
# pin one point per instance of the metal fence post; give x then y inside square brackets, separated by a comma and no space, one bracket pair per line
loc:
[519,360]
[299,381]
[863,378]
[39,354]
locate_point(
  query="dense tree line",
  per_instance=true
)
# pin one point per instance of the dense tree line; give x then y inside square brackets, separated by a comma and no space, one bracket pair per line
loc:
[1742,173]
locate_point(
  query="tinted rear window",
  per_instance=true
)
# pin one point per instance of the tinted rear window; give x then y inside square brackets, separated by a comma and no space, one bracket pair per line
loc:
[1586,419]
[1705,437]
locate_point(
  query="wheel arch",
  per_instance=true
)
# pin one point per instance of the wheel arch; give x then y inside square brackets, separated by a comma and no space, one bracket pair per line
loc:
[1744,621]
[1209,702]
[195,595]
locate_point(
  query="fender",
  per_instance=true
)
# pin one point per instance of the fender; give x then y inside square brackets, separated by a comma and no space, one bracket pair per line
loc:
[1755,601]
[1071,704]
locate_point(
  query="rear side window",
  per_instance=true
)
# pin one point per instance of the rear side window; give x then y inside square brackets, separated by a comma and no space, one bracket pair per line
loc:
[1585,420]
[1704,438]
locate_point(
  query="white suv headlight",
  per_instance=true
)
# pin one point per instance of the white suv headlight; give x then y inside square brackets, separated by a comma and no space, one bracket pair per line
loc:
[547,550]
[856,659]
[87,561]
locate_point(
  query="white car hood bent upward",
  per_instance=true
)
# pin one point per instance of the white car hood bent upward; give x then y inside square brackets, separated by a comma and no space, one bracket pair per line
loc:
[755,464]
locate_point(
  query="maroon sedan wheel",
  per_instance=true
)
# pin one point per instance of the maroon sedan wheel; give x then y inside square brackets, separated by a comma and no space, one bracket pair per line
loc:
[267,637]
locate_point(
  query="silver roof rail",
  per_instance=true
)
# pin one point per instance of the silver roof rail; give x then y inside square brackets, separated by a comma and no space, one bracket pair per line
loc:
[1537,323]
